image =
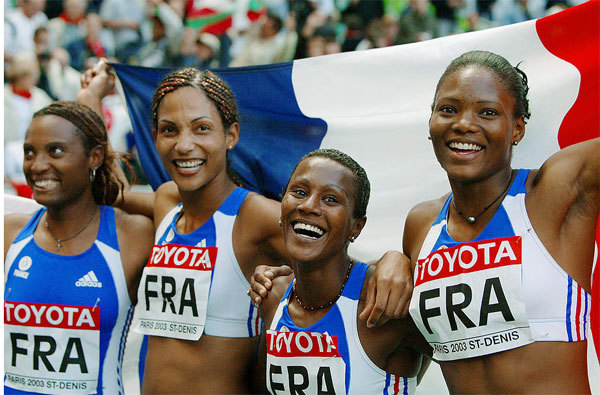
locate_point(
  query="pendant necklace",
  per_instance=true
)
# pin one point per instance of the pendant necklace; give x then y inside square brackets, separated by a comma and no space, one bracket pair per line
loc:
[472,219]
[332,301]
[60,241]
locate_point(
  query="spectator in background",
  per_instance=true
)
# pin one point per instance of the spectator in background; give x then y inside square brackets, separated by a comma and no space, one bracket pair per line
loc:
[418,23]
[445,12]
[268,42]
[375,36]
[204,54]
[21,99]
[506,12]
[354,32]
[69,25]
[167,29]
[64,81]
[124,18]
[20,24]
[96,44]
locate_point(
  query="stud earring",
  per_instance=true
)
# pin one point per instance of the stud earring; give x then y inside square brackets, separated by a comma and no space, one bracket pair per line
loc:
[280,224]
[230,148]
[515,143]
[429,138]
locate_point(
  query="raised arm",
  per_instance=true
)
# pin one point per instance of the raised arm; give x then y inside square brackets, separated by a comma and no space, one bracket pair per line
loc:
[563,202]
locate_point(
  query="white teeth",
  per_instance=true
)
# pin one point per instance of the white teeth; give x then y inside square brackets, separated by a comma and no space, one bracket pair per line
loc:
[188,164]
[311,228]
[46,183]
[465,146]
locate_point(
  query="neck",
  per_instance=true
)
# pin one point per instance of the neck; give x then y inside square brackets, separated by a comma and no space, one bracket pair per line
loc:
[70,217]
[472,197]
[318,283]
[201,204]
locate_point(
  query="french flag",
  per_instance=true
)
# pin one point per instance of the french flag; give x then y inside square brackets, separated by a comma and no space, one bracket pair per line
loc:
[375,106]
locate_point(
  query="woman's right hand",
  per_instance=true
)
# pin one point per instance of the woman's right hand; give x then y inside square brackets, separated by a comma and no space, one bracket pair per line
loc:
[261,281]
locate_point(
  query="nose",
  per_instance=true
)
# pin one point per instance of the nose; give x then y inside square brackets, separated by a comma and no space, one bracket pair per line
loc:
[184,142]
[466,122]
[310,205]
[38,164]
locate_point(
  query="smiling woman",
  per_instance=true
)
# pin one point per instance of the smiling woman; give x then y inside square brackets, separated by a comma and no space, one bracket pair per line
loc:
[315,341]
[70,288]
[502,264]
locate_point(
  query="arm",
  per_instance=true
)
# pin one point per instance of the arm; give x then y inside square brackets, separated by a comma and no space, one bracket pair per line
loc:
[563,205]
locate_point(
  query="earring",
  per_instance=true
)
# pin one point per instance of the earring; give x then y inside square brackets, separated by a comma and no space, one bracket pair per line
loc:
[352,238]
[280,224]
[230,148]
[515,143]
[93,175]
[429,138]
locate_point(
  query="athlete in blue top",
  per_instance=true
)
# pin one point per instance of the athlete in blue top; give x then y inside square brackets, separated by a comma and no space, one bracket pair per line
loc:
[503,263]
[314,341]
[69,283]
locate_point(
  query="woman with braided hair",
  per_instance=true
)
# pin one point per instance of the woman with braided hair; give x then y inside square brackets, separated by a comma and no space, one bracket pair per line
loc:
[503,263]
[70,286]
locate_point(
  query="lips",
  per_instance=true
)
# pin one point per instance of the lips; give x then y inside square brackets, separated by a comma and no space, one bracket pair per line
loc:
[45,184]
[188,166]
[465,147]
[306,230]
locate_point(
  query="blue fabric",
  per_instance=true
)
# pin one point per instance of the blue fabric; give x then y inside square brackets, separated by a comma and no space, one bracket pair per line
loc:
[274,133]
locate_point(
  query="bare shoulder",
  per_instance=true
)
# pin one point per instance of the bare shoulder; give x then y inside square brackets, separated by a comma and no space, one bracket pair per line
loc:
[13,223]
[262,214]
[418,222]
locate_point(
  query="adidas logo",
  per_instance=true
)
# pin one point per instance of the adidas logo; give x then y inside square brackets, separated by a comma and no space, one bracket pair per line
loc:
[89,280]
[201,243]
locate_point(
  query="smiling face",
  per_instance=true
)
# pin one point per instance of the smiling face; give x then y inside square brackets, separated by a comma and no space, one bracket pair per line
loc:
[55,161]
[317,210]
[190,138]
[472,124]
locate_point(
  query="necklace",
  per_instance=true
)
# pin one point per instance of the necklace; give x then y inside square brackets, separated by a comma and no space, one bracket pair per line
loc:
[332,301]
[472,219]
[60,241]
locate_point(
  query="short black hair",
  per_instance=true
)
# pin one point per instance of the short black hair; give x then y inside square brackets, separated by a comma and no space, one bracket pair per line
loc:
[362,186]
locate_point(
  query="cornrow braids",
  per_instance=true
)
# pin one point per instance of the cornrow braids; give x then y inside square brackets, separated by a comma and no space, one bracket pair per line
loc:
[91,129]
[362,186]
[514,78]
[213,86]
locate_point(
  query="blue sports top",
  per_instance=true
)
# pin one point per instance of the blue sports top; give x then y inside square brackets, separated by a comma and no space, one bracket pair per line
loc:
[328,355]
[66,317]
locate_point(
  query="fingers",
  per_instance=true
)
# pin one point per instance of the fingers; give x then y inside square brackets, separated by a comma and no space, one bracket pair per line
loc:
[261,281]
[376,318]
[369,302]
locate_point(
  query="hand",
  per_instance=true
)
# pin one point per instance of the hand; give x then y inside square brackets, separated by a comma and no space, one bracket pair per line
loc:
[99,80]
[389,290]
[261,281]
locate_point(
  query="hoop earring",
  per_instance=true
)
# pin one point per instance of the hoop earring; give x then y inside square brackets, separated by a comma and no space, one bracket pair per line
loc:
[93,175]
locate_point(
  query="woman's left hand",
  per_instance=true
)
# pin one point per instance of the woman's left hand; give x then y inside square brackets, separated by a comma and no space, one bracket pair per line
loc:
[388,290]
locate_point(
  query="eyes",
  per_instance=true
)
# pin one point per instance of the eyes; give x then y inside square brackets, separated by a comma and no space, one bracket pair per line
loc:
[54,151]
[327,198]
[168,129]
[484,112]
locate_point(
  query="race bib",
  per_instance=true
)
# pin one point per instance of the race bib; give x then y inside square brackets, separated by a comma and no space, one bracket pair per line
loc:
[304,362]
[51,348]
[173,291]
[468,299]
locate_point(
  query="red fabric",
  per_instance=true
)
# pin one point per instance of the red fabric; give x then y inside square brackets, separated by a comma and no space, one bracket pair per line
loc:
[25,94]
[573,35]
[22,190]
[69,20]
[97,48]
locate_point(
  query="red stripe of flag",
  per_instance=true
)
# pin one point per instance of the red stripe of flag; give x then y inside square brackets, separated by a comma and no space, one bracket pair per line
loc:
[574,36]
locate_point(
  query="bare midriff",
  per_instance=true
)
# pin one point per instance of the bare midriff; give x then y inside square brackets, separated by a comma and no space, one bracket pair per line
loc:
[540,367]
[210,365]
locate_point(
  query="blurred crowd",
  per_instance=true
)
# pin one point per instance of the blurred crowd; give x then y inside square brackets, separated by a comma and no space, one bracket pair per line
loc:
[49,43]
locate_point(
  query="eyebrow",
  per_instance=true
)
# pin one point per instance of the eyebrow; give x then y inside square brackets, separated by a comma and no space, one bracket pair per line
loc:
[478,102]
[192,121]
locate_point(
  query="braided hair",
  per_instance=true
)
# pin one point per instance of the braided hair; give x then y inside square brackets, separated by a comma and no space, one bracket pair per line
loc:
[91,129]
[213,86]
[215,89]
[514,78]
[362,186]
